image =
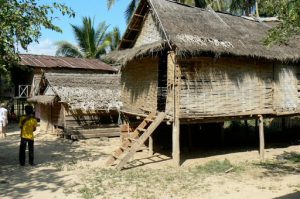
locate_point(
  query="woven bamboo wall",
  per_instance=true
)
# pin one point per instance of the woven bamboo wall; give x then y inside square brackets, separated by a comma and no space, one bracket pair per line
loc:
[139,85]
[57,114]
[225,87]
[149,32]
[46,125]
[286,93]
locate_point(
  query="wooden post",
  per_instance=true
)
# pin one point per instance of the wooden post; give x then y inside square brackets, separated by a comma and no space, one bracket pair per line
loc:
[256,124]
[246,125]
[150,145]
[283,124]
[174,78]
[190,140]
[261,138]
[222,137]
[176,143]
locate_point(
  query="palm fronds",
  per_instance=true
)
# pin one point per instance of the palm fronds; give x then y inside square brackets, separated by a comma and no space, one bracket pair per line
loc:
[67,49]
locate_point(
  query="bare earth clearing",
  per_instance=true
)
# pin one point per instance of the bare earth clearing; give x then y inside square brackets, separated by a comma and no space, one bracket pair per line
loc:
[67,169]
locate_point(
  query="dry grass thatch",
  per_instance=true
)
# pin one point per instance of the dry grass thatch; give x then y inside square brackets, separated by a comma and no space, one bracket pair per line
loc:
[192,31]
[123,56]
[42,99]
[86,91]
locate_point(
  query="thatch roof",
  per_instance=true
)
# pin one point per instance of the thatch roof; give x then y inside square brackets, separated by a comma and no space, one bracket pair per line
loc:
[122,56]
[86,91]
[193,31]
[55,62]
[42,99]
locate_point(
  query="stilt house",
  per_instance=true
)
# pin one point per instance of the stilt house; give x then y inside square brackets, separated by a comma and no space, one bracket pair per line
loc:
[189,65]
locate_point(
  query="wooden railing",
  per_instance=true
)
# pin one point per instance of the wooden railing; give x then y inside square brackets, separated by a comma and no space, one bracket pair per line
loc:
[24,91]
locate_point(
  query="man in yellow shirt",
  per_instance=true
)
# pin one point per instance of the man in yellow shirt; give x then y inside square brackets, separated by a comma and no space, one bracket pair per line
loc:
[28,125]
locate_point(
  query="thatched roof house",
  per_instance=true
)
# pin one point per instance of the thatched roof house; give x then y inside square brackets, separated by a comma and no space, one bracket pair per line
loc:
[37,64]
[73,92]
[78,99]
[200,66]
[165,24]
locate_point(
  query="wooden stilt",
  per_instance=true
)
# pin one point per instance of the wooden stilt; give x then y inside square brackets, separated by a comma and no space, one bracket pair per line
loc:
[150,146]
[174,78]
[176,143]
[283,124]
[261,138]
[222,137]
[246,125]
[190,139]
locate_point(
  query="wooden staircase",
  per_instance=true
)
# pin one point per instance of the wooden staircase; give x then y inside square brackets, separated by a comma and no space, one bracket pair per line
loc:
[128,148]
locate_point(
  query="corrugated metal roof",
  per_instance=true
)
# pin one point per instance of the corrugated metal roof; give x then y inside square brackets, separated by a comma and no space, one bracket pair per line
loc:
[45,61]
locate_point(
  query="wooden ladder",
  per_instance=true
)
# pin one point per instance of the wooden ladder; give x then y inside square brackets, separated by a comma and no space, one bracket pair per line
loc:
[136,140]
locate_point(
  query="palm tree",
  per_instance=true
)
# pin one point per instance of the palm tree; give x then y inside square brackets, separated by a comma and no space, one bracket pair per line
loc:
[114,38]
[91,42]
[129,10]
[134,3]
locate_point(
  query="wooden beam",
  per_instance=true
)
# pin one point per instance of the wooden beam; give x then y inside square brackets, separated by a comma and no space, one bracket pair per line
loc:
[127,40]
[176,142]
[261,138]
[283,124]
[222,136]
[190,140]
[134,29]
[175,91]
[150,146]
[137,15]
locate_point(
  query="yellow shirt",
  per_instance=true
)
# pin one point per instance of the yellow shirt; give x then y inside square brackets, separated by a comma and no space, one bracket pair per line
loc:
[28,127]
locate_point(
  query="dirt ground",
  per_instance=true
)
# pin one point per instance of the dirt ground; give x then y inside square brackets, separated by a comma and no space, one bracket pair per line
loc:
[67,169]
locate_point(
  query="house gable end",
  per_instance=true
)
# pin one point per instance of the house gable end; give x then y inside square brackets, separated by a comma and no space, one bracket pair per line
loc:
[149,33]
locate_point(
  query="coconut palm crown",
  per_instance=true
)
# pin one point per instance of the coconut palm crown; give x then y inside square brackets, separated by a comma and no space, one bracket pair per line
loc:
[91,42]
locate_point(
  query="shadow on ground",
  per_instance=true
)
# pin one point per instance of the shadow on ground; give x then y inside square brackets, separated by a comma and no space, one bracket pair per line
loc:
[50,155]
[295,195]
[287,163]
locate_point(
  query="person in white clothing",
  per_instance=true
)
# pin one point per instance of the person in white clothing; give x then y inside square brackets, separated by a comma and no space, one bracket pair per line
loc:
[3,121]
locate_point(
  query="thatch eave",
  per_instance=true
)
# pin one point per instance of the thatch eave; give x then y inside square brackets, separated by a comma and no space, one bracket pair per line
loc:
[123,56]
[43,99]
[184,53]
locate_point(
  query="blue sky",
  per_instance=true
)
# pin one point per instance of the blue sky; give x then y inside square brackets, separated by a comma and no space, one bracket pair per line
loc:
[96,9]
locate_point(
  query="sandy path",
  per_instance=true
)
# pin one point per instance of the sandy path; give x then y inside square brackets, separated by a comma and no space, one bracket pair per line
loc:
[64,166]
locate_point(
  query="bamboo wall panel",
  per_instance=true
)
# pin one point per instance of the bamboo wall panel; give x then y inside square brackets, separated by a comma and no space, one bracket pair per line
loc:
[89,120]
[225,88]
[57,114]
[149,33]
[45,119]
[286,94]
[139,85]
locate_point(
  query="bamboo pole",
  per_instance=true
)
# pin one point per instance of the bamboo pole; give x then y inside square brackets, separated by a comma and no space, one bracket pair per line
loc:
[261,138]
